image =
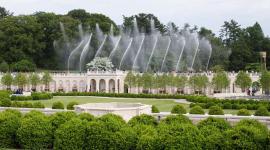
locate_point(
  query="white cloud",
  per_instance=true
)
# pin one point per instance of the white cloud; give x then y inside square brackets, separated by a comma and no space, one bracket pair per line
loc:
[208,13]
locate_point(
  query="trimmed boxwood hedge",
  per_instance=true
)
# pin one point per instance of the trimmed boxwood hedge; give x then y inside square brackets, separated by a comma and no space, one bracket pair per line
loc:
[67,130]
[34,96]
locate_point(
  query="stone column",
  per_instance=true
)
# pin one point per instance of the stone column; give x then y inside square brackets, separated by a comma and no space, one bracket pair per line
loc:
[97,85]
[107,86]
[88,83]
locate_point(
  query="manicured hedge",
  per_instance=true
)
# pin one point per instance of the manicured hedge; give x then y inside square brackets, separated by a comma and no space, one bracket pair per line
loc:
[34,96]
[67,130]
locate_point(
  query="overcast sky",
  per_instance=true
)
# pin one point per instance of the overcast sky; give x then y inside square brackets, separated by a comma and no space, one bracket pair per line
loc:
[207,13]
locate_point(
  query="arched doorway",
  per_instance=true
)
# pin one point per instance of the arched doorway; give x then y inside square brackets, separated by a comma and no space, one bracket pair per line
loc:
[60,87]
[111,86]
[93,85]
[102,85]
[74,86]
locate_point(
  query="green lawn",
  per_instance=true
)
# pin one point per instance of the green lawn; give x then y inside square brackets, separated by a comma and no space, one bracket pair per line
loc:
[162,104]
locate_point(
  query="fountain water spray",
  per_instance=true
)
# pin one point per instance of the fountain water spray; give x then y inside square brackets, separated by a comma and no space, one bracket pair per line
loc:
[115,47]
[101,46]
[180,56]
[125,53]
[85,51]
[152,53]
[138,52]
[73,52]
[166,53]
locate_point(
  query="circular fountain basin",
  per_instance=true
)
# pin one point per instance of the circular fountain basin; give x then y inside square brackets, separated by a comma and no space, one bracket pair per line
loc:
[125,110]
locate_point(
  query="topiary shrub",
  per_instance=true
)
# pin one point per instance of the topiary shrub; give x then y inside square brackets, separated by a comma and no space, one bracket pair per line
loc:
[154,109]
[261,111]
[71,104]
[60,118]
[125,138]
[70,135]
[38,105]
[58,105]
[35,132]
[183,136]
[245,137]
[215,110]
[147,142]
[5,102]
[143,120]
[196,110]
[213,137]
[219,123]
[9,124]
[112,122]
[26,105]
[178,109]
[86,116]
[243,112]
[176,119]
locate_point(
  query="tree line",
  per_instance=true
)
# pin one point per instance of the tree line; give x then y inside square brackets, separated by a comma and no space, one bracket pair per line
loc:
[198,82]
[68,130]
[31,40]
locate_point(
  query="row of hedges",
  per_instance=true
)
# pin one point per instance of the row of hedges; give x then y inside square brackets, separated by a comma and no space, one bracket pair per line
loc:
[34,96]
[67,130]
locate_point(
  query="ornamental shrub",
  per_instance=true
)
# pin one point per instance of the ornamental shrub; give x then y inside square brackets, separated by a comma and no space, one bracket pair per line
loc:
[147,142]
[58,105]
[38,105]
[35,132]
[86,116]
[254,123]
[5,102]
[261,111]
[243,112]
[9,124]
[196,110]
[215,110]
[125,138]
[41,96]
[112,122]
[213,138]
[154,109]
[245,137]
[70,135]
[176,119]
[219,123]
[178,109]
[71,104]
[60,118]
[143,119]
[184,136]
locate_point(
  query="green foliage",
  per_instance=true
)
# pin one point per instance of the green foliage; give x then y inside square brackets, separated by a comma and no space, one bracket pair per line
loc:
[58,105]
[70,135]
[147,142]
[130,80]
[46,79]
[178,109]
[220,81]
[112,122]
[261,111]
[9,124]
[265,81]
[213,137]
[154,109]
[60,118]
[196,110]
[198,82]
[7,80]
[176,119]
[5,102]
[34,80]
[41,96]
[186,136]
[35,132]
[23,66]
[215,110]
[4,67]
[38,105]
[21,80]
[86,116]
[243,112]
[243,80]
[218,123]
[143,119]
[71,104]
